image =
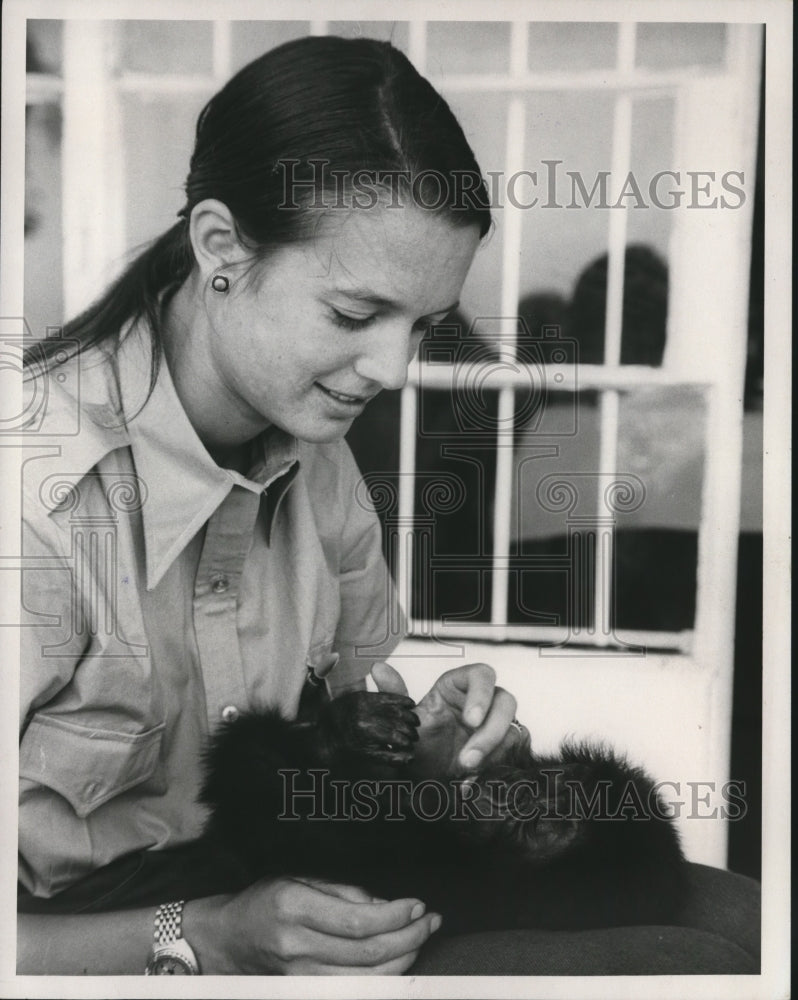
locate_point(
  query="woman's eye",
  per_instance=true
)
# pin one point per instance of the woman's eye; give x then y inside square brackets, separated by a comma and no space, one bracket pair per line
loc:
[350,322]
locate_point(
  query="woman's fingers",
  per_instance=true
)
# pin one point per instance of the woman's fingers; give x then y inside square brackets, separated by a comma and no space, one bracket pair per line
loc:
[332,925]
[492,731]
[477,681]
[375,950]
[346,918]
[388,679]
[351,892]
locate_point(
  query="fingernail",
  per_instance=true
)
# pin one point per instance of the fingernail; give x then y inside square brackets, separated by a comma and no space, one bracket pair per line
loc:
[474,716]
[435,923]
[472,759]
[417,911]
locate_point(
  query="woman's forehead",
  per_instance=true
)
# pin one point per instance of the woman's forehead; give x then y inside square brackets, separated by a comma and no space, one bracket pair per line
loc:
[388,251]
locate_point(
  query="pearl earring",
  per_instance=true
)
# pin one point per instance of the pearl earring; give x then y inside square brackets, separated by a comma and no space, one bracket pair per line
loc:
[220,283]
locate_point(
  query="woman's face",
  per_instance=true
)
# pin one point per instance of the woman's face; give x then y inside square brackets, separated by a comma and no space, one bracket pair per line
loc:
[327,324]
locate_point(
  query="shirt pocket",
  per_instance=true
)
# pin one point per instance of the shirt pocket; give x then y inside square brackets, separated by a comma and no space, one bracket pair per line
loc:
[84,764]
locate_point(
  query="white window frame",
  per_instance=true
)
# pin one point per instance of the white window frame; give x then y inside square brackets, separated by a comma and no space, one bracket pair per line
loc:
[718,365]
[93,226]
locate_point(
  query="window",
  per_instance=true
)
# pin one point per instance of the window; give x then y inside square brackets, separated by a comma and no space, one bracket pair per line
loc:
[585,394]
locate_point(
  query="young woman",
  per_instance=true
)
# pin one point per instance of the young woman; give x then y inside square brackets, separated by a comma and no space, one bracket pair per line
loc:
[204,539]
[197,539]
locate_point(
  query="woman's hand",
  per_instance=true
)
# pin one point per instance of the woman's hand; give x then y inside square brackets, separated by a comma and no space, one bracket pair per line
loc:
[463,718]
[303,926]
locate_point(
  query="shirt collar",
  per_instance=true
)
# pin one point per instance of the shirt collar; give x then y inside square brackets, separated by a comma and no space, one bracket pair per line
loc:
[182,483]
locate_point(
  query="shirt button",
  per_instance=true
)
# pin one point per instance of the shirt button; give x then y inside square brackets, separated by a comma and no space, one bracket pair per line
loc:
[230,713]
[220,584]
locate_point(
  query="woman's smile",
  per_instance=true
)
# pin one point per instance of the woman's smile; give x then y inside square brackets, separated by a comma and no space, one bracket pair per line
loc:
[345,401]
[402,269]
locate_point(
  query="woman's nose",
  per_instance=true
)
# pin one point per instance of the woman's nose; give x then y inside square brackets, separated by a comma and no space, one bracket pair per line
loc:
[385,360]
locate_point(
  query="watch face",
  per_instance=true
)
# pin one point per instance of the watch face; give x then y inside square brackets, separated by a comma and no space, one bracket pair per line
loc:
[169,964]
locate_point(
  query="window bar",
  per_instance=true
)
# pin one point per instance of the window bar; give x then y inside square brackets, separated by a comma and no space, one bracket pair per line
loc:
[408,421]
[417,45]
[92,163]
[408,428]
[720,510]
[511,275]
[601,627]
[43,88]
[650,83]
[589,377]
[222,51]
[680,643]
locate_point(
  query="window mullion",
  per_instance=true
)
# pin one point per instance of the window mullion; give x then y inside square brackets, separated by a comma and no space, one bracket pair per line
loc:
[92,163]
[601,625]
[417,45]
[222,51]
[408,429]
[511,283]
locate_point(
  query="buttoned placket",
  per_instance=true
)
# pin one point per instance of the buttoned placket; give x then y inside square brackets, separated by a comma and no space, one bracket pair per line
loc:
[228,538]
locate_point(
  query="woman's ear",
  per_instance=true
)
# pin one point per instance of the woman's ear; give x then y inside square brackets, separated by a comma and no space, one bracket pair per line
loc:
[214,237]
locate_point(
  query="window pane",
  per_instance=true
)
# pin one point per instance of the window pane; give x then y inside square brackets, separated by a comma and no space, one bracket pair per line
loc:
[568,144]
[251,39]
[565,235]
[166,46]
[652,152]
[557,498]
[645,308]
[395,32]
[454,506]
[484,122]
[661,443]
[44,46]
[554,506]
[154,183]
[665,46]
[468,47]
[572,46]
[43,257]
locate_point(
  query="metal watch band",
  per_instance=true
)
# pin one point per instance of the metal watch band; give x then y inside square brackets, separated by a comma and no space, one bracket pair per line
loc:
[169,922]
[171,954]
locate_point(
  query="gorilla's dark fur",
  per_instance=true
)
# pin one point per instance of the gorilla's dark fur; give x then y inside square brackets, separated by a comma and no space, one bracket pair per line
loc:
[575,841]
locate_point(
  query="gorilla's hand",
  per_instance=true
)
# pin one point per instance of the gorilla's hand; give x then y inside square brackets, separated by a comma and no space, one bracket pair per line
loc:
[463,718]
[380,727]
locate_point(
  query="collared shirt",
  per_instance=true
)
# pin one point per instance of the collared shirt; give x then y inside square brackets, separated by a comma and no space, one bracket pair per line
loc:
[163,594]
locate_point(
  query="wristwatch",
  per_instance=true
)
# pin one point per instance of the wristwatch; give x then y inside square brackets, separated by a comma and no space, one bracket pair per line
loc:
[171,954]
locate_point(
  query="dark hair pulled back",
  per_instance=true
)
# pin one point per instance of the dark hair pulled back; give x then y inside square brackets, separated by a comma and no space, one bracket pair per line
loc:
[312,111]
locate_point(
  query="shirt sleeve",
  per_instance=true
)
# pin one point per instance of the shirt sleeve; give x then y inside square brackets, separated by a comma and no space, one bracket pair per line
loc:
[371,622]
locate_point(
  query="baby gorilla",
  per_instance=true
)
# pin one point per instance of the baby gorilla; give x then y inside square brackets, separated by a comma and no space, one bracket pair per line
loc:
[574,841]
